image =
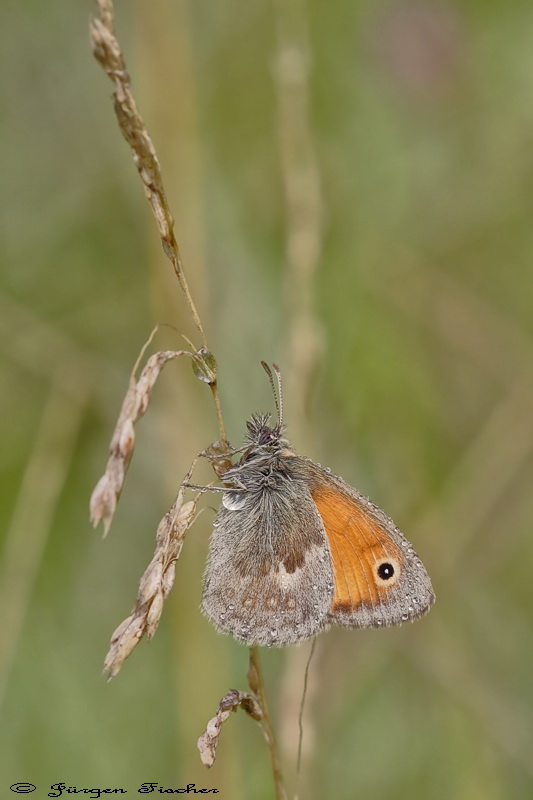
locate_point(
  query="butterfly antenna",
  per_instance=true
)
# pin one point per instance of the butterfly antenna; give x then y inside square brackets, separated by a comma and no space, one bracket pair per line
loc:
[280,392]
[279,406]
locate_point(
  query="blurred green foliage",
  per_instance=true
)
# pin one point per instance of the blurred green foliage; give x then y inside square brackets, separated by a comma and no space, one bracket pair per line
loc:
[422,117]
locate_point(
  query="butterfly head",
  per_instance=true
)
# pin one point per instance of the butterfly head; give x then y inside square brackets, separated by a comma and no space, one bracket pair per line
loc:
[264,436]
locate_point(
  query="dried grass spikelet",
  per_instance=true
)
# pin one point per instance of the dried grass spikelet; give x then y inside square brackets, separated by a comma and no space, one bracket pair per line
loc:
[155,583]
[158,578]
[108,53]
[233,700]
[107,491]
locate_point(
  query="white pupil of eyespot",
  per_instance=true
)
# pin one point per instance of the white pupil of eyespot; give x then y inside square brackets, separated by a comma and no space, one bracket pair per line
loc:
[386,571]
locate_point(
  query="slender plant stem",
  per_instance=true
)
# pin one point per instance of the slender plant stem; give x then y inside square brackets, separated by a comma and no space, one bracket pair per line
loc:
[301,717]
[257,684]
[177,263]
[218,407]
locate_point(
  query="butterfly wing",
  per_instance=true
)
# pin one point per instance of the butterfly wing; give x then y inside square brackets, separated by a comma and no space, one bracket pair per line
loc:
[379,579]
[269,578]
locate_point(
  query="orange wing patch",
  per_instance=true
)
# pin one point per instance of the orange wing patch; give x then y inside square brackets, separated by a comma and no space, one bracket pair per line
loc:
[360,550]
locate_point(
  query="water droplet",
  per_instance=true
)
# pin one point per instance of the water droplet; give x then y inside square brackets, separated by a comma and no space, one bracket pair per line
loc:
[230,608]
[204,366]
[404,543]
[405,617]
[222,616]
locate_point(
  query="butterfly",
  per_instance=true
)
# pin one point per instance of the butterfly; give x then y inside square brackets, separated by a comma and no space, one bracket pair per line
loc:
[296,549]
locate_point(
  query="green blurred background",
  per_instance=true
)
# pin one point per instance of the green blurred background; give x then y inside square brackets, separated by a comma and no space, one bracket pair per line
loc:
[407,352]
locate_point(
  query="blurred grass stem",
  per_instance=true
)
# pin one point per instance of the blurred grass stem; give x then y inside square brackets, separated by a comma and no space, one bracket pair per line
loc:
[35,507]
[303,199]
[303,250]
